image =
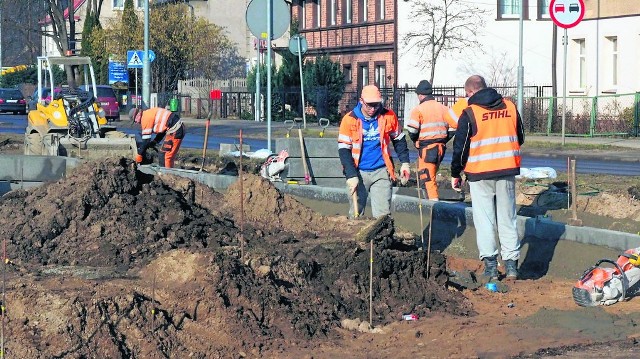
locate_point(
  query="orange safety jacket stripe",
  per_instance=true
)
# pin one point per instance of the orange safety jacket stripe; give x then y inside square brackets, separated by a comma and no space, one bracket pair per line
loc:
[429,119]
[351,136]
[154,120]
[494,148]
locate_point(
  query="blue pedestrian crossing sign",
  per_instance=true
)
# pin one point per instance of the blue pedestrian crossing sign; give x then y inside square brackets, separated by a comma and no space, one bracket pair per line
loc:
[135,58]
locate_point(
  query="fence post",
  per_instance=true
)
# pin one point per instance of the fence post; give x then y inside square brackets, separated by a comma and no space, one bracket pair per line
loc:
[550,115]
[636,113]
[594,113]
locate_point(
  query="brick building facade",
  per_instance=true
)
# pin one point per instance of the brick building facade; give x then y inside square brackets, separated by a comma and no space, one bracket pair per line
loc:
[359,34]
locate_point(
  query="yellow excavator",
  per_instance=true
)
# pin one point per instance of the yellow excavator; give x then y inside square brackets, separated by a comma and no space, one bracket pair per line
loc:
[69,121]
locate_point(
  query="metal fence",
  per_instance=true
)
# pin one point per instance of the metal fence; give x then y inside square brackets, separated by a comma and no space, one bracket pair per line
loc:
[607,115]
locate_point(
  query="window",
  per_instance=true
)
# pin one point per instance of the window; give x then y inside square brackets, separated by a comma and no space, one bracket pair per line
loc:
[582,63]
[543,9]
[118,4]
[510,9]
[363,74]
[303,16]
[346,71]
[362,10]
[380,9]
[347,12]
[140,3]
[380,75]
[613,57]
[331,21]
[318,13]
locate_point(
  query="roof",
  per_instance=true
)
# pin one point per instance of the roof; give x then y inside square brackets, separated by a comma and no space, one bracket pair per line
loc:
[76,5]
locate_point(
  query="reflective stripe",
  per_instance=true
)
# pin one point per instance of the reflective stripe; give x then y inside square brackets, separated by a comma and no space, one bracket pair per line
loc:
[433,124]
[433,133]
[412,130]
[493,141]
[355,156]
[145,137]
[356,146]
[162,116]
[399,137]
[344,145]
[453,115]
[411,123]
[147,131]
[344,138]
[494,156]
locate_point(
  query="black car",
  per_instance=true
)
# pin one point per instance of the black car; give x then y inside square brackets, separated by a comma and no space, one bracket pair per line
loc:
[11,100]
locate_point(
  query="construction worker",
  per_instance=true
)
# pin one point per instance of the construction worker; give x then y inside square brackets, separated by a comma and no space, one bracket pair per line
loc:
[363,146]
[487,147]
[430,128]
[165,125]
[456,110]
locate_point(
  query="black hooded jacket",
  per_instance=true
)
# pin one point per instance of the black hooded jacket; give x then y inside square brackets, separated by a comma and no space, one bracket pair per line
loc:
[486,98]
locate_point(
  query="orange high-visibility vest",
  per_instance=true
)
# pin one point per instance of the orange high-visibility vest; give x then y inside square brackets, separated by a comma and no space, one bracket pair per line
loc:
[351,136]
[154,120]
[430,120]
[494,148]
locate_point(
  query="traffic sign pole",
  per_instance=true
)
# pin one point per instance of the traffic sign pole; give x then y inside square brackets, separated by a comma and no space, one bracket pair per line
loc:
[566,14]
[304,116]
[269,37]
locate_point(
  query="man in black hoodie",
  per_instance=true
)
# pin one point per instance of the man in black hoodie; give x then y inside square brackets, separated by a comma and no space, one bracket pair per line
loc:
[487,148]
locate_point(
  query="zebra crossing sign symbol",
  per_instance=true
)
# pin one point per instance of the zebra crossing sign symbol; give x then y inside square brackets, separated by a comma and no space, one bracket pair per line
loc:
[136,57]
[134,60]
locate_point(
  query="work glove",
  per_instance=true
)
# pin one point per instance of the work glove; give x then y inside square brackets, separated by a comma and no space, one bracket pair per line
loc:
[405,173]
[138,159]
[352,183]
[456,184]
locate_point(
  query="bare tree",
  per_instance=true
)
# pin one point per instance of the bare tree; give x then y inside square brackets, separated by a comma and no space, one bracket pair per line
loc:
[500,72]
[443,26]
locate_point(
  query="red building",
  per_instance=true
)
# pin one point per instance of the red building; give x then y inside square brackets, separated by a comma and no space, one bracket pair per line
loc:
[359,34]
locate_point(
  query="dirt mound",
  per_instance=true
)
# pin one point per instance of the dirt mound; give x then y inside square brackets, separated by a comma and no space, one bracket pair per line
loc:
[142,266]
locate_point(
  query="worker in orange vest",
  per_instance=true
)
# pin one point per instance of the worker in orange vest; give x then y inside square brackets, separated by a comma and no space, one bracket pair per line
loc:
[165,125]
[430,128]
[487,147]
[363,146]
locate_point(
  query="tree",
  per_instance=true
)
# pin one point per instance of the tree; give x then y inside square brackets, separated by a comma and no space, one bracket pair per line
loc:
[324,82]
[184,46]
[500,72]
[443,26]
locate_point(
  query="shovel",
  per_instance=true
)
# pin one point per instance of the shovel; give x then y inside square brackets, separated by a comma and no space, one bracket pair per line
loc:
[206,138]
[307,178]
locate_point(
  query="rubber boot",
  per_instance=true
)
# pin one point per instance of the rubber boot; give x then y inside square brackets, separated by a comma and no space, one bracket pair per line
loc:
[490,268]
[511,268]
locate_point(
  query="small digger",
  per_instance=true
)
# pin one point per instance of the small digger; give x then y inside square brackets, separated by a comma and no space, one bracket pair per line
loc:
[608,285]
[71,122]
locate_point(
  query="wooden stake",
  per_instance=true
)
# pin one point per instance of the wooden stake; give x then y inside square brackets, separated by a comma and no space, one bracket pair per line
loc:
[429,243]
[354,199]
[420,208]
[574,196]
[371,287]
[241,204]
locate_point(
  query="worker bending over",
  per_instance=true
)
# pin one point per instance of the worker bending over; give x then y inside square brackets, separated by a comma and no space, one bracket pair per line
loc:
[165,125]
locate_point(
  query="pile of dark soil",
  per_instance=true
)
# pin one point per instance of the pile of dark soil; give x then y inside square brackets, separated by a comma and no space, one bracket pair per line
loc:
[189,283]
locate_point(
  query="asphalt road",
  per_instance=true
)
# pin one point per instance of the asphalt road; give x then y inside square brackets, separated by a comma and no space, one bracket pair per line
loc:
[616,162]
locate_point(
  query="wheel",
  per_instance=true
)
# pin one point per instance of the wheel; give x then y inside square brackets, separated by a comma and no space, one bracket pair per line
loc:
[33,144]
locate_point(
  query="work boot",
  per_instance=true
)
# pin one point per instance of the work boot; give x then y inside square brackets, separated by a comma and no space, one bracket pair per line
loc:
[490,267]
[511,268]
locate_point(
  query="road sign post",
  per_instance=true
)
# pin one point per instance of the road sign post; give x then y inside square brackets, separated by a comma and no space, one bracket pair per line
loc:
[298,46]
[271,26]
[565,14]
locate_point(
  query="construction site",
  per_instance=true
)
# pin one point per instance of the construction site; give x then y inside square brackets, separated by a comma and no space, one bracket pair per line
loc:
[111,259]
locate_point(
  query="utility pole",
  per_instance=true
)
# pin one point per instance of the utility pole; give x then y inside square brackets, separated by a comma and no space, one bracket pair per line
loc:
[146,77]
[72,28]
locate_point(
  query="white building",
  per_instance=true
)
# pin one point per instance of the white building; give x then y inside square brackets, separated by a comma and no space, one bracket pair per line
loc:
[603,52]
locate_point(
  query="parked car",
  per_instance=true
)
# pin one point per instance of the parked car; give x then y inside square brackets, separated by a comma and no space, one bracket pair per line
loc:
[108,102]
[11,100]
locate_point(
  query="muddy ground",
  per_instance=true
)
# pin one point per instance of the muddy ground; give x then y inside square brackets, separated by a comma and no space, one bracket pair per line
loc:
[113,263]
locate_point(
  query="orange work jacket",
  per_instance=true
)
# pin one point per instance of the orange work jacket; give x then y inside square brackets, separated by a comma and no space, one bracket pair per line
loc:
[431,121]
[455,111]
[154,120]
[351,136]
[494,148]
